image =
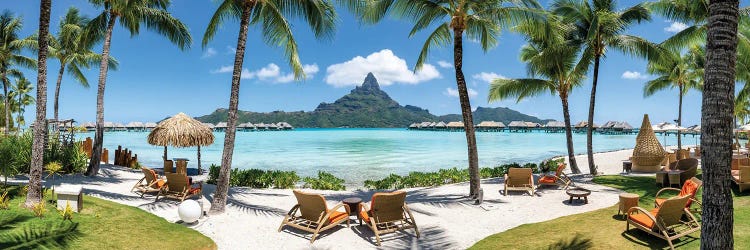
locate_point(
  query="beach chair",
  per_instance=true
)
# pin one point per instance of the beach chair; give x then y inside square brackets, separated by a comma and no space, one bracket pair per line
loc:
[178,187]
[168,166]
[559,179]
[665,221]
[387,213]
[150,183]
[519,179]
[314,216]
[741,177]
[682,154]
[689,189]
[181,167]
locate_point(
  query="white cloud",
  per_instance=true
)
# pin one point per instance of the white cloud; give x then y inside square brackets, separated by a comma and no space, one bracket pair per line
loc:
[386,66]
[270,73]
[454,92]
[223,69]
[208,53]
[487,76]
[246,74]
[676,27]
[444,64]
[633,75]
[231,50]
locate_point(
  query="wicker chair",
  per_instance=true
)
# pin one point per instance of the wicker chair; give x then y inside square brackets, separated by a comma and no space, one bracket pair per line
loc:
[741,177]
[665,221]
[150,183]
[682,154]
[689,167]
[689,189]
[314,215]
[388,213]
[181,167]
[519,179]
[178,187]
[559,179]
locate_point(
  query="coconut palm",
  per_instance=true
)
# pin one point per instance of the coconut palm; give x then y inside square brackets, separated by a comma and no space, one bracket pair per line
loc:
[452,19]
[716,122]
[73,52]
[273,18]
[693,13]
[555,65]
[21,92]
[10,56]
[600,27]
[674,71]
[131,14]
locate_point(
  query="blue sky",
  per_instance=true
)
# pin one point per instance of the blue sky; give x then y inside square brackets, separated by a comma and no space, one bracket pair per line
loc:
[156,79]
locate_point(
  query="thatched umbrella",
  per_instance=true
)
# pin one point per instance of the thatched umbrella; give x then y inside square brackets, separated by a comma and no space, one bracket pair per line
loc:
[181,131]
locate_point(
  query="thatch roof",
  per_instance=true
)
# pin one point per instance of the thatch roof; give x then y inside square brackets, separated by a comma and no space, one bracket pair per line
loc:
[490,124]
[209,125]
[441,125]
[88,125]
[555,124]
[517,124]
[424,124]
[533,125]
[181,131]
[622,125]
[584,124]
[221,125]
[150,125]
[455,125]
[272,126]
[246,125]
[414,125]
[135,125]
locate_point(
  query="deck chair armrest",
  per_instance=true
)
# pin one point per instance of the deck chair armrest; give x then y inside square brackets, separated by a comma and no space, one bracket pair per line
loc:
[340,205]
[293,210]
[363,207]
[666,189]
[506,178]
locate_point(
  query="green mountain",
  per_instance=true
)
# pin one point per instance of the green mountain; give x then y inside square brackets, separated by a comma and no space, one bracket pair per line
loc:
[365,106]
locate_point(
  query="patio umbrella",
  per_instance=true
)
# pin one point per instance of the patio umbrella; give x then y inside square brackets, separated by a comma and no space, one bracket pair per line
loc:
[181,131]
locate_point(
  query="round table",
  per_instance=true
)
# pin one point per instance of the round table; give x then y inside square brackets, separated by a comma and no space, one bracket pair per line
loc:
[627,201]
[353,203]
[578,193]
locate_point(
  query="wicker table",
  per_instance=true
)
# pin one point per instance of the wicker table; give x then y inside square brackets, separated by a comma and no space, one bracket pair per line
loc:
[578,193]
[353,203]
[674,177]
[627,201]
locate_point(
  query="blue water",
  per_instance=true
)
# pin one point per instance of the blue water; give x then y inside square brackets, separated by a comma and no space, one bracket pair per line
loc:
[360,154]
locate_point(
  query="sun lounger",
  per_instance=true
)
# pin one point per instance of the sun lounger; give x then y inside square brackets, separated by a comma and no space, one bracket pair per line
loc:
[314,215]
[387,213]
[559,179]
[178,187]
[519,179]
[741,177]
[689,188]
[150,183]
[665,221]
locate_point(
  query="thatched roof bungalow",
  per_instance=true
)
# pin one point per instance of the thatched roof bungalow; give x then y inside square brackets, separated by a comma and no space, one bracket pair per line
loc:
[490,126]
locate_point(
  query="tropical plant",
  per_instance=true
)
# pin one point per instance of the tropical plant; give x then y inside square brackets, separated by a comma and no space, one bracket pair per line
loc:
[11,46]
[67,212]
[324,181]
[73,52]
[695,14]
[21,93]
[452,19]
[717,219]
[555,65]
[131,14]
[600,27]
[272,16]
[4,200]
[674,71]
[39,209]
[53,169]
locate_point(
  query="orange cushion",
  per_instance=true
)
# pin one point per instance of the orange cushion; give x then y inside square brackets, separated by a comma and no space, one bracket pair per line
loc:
[364,215]
[643,219]
[195,190]
[336,216]
[159,183]
[689,188]
[547,179]
[560,168]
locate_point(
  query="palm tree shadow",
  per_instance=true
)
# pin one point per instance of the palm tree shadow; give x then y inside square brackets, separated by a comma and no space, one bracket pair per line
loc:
[639,237]
[577,242]
[432,237]
[35,237]
[307,235]
[9,221]
[258,210]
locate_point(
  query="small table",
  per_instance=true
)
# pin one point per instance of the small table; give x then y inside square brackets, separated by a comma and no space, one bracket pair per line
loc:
[578,193]
[627,166]
[70,195]
[627,201]
[674,177]
[353,203]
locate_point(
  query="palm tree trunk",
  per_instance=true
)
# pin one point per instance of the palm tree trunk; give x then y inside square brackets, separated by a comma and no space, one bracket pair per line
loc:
[200,170]
[569,135]
[6,105]
[57,88]
[463,96]
[716,135]
[34,194]
[679,118]
[96,154]
[590,129]
[222,185]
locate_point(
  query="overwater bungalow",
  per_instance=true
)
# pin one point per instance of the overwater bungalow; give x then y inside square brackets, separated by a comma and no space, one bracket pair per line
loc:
[413,126]
[615,127]
[246,126]
[455,126]
[135,126]
[150,126]
[90,126]
[440,126]
[521,126]
[285,126]
[582,126]
[209,125]
[490,126]
[554,127]
[222,126]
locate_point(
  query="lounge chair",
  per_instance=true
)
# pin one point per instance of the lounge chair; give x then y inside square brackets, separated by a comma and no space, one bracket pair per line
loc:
[519,179]
[689,188]
[314,215]
[150,183]
[741,177]
[387,213]
[682,154]
[178,187]
[665,221]
[559,179]
[168,166]
[689,167]
[181,167]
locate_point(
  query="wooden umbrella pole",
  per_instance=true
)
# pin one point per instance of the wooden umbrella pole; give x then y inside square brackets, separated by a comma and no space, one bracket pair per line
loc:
[199,160]
[165,153]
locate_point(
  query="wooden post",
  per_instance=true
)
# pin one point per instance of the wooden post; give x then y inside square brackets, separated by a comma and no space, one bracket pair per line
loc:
[105,156]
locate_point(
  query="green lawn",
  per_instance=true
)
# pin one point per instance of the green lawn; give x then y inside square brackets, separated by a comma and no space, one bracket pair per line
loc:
[603,229]
[100,225]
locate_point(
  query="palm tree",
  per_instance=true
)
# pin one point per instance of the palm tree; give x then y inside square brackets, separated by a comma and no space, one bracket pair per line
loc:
[21,92]
[452,19]
[10,56]
[555,65]
[131,14]
[674,71]
[272,16]
[599,26]
[72,52]
[695,14]
[716,121]
[34,194]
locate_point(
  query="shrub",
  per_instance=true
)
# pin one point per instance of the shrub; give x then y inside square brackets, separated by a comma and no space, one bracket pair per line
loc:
[67,213]
[325,181]
[213,174]
[39,209]
[255,178]
[550,165]
[4,200]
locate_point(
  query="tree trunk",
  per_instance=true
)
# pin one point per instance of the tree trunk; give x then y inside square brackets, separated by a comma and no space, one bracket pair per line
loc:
[222,185]
[679,118]
[57,88]
[6,105]
[569,134]
[96,154]
[590,129]
[200,170]
[716,122]
[463,96]
[34,194]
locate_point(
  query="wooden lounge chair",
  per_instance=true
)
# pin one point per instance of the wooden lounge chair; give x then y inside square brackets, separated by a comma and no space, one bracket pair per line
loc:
[741,177]
[314,215]
[666,221]
[519,179]
[387,213]
[559,179]
[689,188]
[150,183]
[181,167]
[178,187]
[682,154]
[168,166]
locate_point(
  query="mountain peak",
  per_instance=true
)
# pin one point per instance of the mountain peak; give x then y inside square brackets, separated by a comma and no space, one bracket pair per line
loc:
[370,82]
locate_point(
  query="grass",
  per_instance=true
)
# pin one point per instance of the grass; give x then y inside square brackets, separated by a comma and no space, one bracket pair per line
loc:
[101,224]
[604,229]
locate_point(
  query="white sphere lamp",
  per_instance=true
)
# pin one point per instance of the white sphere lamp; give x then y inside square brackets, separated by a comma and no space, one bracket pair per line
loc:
[189,211]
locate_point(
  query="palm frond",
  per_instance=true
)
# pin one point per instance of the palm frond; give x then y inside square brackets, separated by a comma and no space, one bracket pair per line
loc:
[228,9]
[441,36]
[501,89]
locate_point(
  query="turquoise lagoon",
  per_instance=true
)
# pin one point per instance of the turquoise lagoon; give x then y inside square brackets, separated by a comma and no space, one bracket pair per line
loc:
[360,154]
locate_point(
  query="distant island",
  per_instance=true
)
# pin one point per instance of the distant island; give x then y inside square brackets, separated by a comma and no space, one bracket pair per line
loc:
[366,106]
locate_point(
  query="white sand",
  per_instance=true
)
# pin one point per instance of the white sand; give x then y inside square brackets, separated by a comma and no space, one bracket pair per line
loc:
[445,218]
